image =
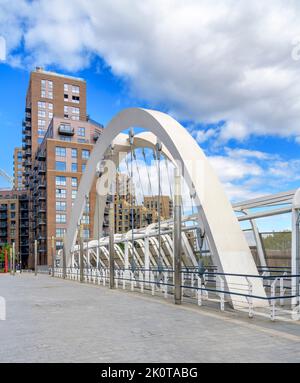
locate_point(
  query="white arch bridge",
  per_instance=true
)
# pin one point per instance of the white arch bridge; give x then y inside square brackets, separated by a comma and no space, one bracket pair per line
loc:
[168,257]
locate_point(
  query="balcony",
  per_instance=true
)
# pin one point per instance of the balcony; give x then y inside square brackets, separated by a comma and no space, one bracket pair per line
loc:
[66,130]
[28,153]
[42,185]
[42,170]
[41,156]
[41,197]
[42,222]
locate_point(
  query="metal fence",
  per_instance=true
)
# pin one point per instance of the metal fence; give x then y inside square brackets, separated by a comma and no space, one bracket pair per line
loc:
[202,288]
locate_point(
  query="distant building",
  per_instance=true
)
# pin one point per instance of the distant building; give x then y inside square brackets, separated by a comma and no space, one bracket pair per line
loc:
[166,205]
[14,226]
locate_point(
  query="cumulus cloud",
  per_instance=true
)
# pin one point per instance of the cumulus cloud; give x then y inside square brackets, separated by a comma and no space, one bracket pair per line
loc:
[205,61]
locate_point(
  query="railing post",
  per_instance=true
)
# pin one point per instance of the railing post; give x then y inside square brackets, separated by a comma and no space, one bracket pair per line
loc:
[35,257]
[177,239]
[281,301]
[64,271]
[53,255]
[10,260]
[111,246]
[250,298]
[14,257]
[221,294]
[199,291]
[273,295]
[81,279]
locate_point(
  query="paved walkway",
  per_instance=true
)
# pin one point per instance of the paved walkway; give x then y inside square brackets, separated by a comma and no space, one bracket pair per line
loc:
[52,320]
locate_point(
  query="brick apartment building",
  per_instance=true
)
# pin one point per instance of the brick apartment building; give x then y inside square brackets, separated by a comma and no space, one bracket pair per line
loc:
[58,138]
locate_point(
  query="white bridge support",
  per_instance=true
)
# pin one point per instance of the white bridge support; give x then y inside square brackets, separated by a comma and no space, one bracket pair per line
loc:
[295,246]
[229,248]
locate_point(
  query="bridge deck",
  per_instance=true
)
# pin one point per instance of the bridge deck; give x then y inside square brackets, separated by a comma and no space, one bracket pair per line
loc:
[52,320]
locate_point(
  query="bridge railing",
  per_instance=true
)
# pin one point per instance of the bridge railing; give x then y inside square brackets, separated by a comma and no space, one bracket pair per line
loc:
[207,287]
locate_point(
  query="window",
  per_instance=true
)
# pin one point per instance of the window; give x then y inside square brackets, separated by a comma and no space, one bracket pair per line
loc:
[81,132]
[60,166]
[66,97]
[74,153]
[85,154]
[82,140]
[60,181]
[66,111]
[61,206]
[59,245]
[76,110]
[43,83]
[83,166]
[74,167]
[61,218]
[75,99]
[75,118]
[74,182]
[50,85]
[60,232]
[74,194]
[12,215]
[66,87]
[41,105]
[85,220]
[50,106]
[50,115]
[61,193]
[42,113]
[41,132]
[86,233]
[12,206]
[50,95]
[75,89]
[60,152]
[43,93]
[40,140]
[41,123]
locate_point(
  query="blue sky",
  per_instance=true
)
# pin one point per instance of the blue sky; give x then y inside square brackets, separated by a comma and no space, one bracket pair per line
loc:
[237,93]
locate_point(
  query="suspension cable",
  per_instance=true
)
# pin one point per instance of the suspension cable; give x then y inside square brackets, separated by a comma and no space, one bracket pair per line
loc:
[170,186]
[148,174]
[158,156]
[138,172]
[131,138]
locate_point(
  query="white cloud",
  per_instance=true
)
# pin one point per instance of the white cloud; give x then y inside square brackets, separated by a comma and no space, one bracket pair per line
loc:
[205,60]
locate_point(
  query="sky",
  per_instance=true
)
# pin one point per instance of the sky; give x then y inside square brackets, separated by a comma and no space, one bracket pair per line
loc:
[229,71]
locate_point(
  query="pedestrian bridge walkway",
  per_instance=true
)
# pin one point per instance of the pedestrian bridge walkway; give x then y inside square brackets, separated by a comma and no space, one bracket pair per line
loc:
[55,320]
